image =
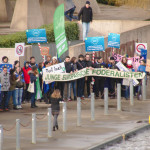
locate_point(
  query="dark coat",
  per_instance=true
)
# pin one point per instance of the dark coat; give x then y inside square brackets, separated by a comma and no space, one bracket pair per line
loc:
[33,79]
[55,105]
[81,65]
[87,14]
[89,64]
[68,67]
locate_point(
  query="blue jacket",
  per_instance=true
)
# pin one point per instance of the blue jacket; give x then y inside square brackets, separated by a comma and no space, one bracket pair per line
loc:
[141,68]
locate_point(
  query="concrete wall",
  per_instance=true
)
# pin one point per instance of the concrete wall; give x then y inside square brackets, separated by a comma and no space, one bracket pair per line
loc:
[10,53]
[3,11]
[104,27]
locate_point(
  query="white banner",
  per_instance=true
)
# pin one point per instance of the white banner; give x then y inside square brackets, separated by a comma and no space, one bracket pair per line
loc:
[19,49]
[58,68]
[123,68]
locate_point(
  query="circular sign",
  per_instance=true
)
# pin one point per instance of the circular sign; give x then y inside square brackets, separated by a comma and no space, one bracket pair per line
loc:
[45,51]
[139,47]
[19,50]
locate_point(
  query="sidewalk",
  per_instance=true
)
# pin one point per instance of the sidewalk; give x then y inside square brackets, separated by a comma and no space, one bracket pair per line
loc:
[76,138]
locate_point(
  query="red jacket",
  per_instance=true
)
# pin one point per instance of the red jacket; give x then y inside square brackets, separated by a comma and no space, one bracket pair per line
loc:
[26,75]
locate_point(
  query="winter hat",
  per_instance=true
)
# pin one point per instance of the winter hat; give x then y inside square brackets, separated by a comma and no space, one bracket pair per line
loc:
[129,62]
[88,2]
[54,57]
[112,58]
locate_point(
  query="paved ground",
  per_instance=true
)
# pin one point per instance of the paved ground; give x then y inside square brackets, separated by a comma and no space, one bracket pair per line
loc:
[89,134]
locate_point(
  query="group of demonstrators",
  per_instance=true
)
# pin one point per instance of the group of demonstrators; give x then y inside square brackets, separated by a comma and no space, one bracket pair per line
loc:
[16,83]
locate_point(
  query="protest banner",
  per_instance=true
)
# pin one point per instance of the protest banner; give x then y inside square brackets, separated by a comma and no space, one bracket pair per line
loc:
[91,72]
[144,53]
[139,46]
[19,49]
[148,65]
[94,44]
[114,40]
[123,68]
[59,30]
[9,66]
[36,36]
[58,68]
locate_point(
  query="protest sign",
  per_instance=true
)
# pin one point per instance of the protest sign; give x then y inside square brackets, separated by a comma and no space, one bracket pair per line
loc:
[144,53]
[44,51]
[123,68]
[139,46]
[36,36]
[9,66]
[91,72]
[58,68]
[114,40]
[148,65]
[19,49]
[94,44]
[59,30]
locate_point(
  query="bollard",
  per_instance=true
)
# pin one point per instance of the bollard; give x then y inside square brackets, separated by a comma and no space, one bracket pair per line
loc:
[64,117]
[144,88]
[1,137]
[17,134]
[49,122]
[78,111]
[92,107]
[106,101]
[118,96]
[131,93]
[33,128]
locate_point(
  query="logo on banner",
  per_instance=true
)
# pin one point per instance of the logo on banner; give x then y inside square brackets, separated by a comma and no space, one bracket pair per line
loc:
[140,46]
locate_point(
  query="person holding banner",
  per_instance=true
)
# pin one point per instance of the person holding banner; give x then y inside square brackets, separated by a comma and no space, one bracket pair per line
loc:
[99,81]
[90,65]
[87,17]
[69,10]
[81,81]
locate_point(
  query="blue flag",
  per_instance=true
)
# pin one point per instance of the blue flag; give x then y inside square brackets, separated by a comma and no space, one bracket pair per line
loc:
[144,53]
[9,66]
[114,40]
[36,36]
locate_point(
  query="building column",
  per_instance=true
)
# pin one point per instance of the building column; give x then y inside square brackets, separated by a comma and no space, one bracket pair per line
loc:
[27,15]
[3,11]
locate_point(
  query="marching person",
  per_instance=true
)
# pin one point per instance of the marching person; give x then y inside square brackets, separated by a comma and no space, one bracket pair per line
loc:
[87,17]
[54,101]
[5,84]
[69,10]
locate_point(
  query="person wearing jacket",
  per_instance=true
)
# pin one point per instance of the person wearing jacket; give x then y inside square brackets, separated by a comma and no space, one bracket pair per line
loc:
[26,69]
[87,17]
[54,101]
[69,10]
[19,87]
[99,81]
[88,64]
[32,62]
[12,90]
[69,69]
[81,81]
[5,84]
[33,77]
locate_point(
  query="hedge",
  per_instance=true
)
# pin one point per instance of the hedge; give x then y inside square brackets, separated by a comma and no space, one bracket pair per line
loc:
[109,2]
[72,33]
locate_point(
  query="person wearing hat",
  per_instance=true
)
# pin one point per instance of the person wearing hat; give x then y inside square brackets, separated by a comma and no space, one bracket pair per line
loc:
[69,10]
[99,81]
[87,17]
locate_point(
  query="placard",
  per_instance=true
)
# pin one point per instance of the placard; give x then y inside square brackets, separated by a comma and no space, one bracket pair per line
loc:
[114,40]
[19,49]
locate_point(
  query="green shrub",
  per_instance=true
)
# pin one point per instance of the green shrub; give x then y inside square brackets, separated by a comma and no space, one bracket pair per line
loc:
[110,2]
[72,33]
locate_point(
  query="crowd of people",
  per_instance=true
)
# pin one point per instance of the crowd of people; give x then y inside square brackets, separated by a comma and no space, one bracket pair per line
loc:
[15,83]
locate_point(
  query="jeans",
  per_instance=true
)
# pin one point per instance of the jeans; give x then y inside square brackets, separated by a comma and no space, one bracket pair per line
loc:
[86,28]
[13,94]
[3,100]
[73,85]
[19,93]
[70,12]
[33,98]
[127,92]
[80,87]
